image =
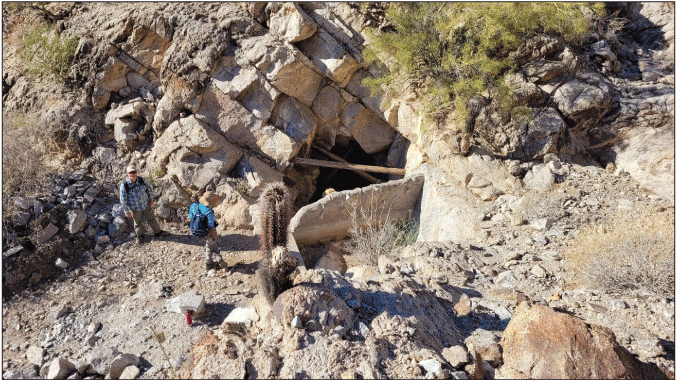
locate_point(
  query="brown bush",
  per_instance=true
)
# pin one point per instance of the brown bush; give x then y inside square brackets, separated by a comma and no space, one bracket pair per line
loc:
[374,232]
[630,252]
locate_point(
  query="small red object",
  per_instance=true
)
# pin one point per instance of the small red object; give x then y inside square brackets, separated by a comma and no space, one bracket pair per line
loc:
[188,317]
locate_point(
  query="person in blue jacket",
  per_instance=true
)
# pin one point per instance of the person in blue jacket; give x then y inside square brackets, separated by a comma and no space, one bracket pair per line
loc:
[208,200]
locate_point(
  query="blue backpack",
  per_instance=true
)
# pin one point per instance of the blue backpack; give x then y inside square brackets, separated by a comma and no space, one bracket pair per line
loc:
[199,224]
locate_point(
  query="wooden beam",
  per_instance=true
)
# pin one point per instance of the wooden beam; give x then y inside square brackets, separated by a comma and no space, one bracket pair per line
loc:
[343,165]
[338,158]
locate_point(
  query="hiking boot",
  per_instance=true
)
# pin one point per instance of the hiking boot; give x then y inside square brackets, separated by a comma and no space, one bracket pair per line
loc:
[162,233]
[211,265]
[140,240]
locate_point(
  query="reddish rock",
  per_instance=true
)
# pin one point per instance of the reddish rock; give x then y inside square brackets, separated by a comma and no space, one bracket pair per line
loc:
[540,343]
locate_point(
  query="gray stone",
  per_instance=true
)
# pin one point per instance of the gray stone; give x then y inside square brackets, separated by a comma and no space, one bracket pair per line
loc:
[70,191]
[506,279]
[330,57]
[117,227]
[61,263]
[295,119]
[103,240]
[190,300]
[242,315]
[431,366]
[338,330]
[296,322]
[46,233]
[540,178]
[12,251]
[486,344]
[363,329]
[130,372]
[291,23]
[332,261]
[456,355]
[371,132]
[539,271]
[121,362]
[100,359]
[21,218]
[77,219]
[60,368]
[542,224]
[257,174]
[35,355]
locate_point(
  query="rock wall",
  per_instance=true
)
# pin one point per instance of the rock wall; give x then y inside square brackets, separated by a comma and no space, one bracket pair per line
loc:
[203,95]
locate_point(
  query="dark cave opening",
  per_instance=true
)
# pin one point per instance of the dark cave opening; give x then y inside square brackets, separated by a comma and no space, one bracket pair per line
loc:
[344,179]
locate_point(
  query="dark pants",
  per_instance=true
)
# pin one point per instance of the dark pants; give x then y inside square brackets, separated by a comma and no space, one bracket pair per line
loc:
[150,218]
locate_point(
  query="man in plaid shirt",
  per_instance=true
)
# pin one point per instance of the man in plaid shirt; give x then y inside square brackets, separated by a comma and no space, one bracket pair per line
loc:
[136,197]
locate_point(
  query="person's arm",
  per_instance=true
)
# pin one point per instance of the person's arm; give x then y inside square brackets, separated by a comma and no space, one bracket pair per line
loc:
[211,218]
[124,200]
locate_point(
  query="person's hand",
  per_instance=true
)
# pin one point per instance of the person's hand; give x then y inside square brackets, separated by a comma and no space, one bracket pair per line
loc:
[213,234]
[128,215]
[150,203]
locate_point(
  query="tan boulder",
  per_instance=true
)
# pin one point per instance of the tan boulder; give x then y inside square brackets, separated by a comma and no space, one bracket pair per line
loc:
[329,217]
[295,119]
[194,135]
[234,209]
[112,78]
[318,307]
[240,126]
[330,57]
[284,66]
[648,155]
[256,174]
[540,343]
[248,86]
[371,132]
[196,171]
[332,261]
[149,41]
[291,23]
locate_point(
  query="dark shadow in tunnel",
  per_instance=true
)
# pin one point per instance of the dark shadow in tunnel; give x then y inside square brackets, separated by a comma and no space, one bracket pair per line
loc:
[343,179]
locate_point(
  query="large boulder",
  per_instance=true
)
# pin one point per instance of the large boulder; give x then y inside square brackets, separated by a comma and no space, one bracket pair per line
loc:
[371,132]
[648,155]
[283,65]
[540,343]
[240,126]
[295,119]
[330,57]
[291,23]
[194,135]
[329,218]
[248,86]
[448,212]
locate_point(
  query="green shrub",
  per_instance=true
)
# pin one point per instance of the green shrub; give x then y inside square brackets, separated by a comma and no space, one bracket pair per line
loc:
[454,51]
[47,53]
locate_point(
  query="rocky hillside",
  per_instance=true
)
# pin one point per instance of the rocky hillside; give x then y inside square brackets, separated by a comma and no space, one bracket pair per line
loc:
[227,96]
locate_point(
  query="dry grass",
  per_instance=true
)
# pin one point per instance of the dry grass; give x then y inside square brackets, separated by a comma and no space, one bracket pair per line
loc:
[25,145]
[631,252]
[375,233]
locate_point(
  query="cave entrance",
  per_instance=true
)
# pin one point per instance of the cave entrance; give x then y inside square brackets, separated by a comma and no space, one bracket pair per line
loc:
[344,179]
